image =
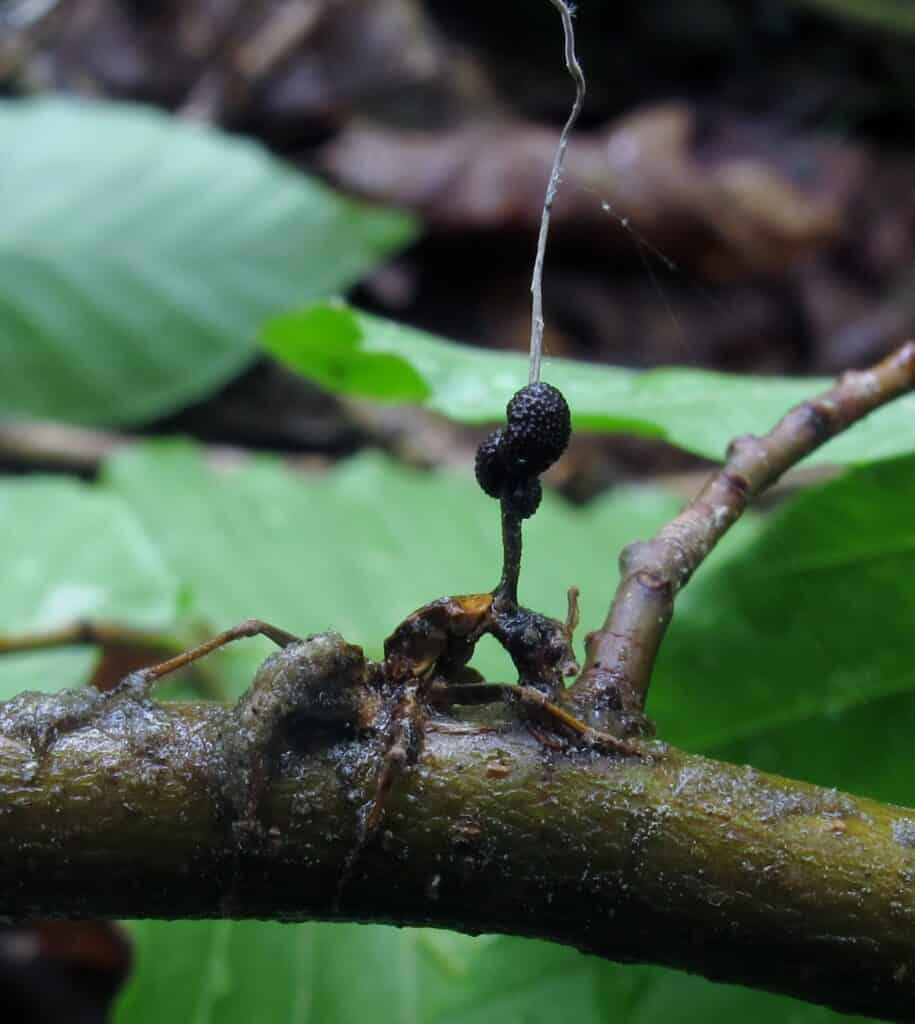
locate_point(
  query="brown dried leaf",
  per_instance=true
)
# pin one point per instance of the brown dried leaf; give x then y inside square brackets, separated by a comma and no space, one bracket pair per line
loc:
[744,202]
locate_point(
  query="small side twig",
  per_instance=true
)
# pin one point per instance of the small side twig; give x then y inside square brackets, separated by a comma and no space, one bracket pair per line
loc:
[612,688]
[574,68]
[243,56]
[75,634]
[59,445]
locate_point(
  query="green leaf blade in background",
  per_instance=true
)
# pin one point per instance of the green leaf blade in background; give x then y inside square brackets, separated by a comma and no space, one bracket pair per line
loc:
[326,344]
[139,255]
[698,410]
[48,671]
[236,972]
[887,15]
[72,554]
[78,554]
[810,625]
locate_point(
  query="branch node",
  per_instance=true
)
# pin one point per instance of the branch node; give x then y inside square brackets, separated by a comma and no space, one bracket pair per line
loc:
[744,445]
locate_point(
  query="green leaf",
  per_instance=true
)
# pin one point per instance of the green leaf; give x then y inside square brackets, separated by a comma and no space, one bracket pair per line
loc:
[48,671]
[320,974]
[656,996]
[234,972]
[814,618]
[890,15]
[78,554]
[796,655]
[698,410]
[139,254]
[327,347]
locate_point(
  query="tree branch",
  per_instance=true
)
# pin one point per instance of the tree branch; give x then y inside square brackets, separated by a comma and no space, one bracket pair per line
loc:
[610,693]
[115,806]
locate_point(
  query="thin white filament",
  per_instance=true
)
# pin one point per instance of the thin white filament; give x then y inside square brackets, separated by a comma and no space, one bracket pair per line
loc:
[574,69]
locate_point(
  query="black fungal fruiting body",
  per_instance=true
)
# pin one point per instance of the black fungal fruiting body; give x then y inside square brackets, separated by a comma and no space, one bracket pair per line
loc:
[509,461]
[491,473]
[539,425]
[525,496]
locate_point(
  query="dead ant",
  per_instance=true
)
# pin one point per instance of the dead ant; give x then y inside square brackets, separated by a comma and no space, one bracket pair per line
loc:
[324,680]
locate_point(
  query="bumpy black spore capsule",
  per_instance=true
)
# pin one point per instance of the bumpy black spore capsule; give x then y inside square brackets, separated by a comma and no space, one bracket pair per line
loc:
[525,496]
[539,426]
[489,467]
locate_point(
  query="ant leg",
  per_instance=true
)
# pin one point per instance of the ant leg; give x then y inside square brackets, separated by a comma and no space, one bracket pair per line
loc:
[489,693]
[403,742]
[145,677]
[402,747]
[588,736]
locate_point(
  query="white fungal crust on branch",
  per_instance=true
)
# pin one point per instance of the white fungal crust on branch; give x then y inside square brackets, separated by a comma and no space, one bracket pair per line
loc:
[320,681]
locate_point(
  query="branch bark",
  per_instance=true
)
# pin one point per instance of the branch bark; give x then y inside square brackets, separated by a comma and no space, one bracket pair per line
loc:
[116,806]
